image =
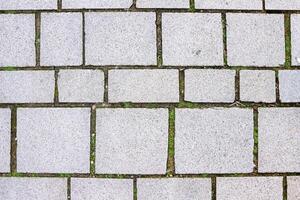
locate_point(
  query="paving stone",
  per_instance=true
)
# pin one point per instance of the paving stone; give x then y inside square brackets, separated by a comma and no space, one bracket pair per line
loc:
[143,86]
[282,4]
[53,140]
[17,37]
[95,189]
[174,188]
[279,139]
[81,85]
[254,188]
[293,192]
[257,86]
[229,4]
[217,140]
[139,138]
[28,4]
[96,3]
[4,140]
[163,4]
[209,85]
[33,188]
[27,86]
[61,39]
[124,38]
[289,85]
[295,37]
[255,40]
[192,39]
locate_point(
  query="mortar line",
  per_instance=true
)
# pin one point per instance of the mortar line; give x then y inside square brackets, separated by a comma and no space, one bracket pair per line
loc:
[59,5]
[255,138]
[284,189]
[13,140]
[192,6]
[37,38]
[135,188]
[171,143]
[277,87]
[213,188]
[93,141]
[105,86]
[133,5]
[56,91]
[158,23]
[237,85]
[181,85]
[224,29]
[288,43]
[264,5]
[69,188]
[83,38]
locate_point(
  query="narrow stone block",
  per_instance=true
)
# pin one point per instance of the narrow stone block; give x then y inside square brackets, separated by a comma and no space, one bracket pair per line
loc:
[293,185]
[5,133]
[289,85]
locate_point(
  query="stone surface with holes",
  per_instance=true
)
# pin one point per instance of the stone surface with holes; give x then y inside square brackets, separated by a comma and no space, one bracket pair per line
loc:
[174,188]
[215,140]
[27,86]
[257,86]
[192,39]
[53,140]
[209,85]
[229,4]
[279,139]
[81,85]
[17,188]
[94,189]
[140,138]
[61,39]
[255,40]
[143,86]
[289,85]
[5,125]
[17,40]
[124,38]
[254,188]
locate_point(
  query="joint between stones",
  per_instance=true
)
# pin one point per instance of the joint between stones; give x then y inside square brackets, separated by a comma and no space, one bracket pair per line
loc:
[288,42]
[13,147]
[171,143]
[255,137]
[37,38]
[93,141]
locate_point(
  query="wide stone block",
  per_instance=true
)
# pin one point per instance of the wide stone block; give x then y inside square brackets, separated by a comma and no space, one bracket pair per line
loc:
[229,4]
[96,4]
[5,126]
[162,4]
[53,140]
[131,141]
[28,5]
[282,4]
[215,140]
[279,139]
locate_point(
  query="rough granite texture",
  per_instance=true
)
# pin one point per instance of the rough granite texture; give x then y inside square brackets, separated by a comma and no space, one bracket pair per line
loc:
[289,85]
[295,37]
[161,85]
[81,85]
[28,4]
[192,39]
[282,4]
[27,86]
[120,38]
[17,36]
[246,188]
[95,189]
[163,4]
[279,139]
[255,39]
[257,86]
[96,3]
[215,140]
[174,188]
[5,126]
[293,192]
[53,140]
[209,85]
[33,188]
[61,39]
[229,4]
[139,137]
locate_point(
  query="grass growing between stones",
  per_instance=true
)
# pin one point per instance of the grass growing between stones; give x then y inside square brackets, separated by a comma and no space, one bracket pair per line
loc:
[192,6]
[255,137]
[288,43]
[171,143]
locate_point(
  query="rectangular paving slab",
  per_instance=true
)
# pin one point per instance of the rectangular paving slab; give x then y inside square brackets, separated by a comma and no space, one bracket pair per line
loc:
[162,4]
[229,4]
[5,136]
[96,3]
[28,4]
[295,32]
[53,140]
[174,188]
[17,188]
[282,4]
[289,85]
[293,192]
